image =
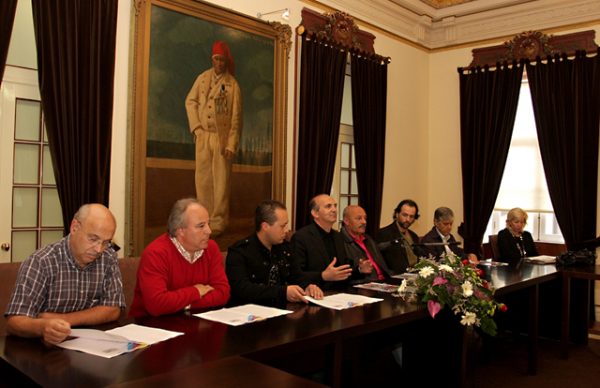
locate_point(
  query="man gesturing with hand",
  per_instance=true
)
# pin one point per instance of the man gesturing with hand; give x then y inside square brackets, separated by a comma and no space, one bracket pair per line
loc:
[319,249]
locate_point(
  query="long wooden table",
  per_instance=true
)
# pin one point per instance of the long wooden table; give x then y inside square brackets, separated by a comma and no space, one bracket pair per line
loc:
[208,346]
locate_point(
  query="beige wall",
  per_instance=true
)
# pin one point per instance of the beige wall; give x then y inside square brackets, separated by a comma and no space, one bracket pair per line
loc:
[422,140]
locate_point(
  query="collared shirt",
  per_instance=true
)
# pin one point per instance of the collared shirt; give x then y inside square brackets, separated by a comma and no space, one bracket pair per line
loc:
[445,240]
[407,243]
[50,280]
[186,255]
[360,240]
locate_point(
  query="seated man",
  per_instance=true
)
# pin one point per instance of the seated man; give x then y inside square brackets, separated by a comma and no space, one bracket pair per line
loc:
[361,248]
[440,241]
[260,269]
[181,269]
[319,249]
[75,281]
[396,240]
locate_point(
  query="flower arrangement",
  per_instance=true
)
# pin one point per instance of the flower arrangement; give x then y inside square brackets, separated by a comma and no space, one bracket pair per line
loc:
[456,284]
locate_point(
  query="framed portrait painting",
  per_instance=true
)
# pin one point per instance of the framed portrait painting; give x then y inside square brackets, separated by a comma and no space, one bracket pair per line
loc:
[209,116]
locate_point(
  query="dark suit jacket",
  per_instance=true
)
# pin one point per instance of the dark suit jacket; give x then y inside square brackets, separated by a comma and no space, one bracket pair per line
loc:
[311,254]
[355,253]
[434,237]
[392,247]
[248,265]
[507,246]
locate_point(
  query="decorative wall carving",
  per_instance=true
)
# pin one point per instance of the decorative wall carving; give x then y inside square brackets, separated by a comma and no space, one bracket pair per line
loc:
[532,44]
[337,27]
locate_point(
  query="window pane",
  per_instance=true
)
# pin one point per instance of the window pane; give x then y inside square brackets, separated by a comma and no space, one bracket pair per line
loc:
[343,204]
[354,200]
[353,161]
[26,164]
[354,188]
[346,117]
[23,245]
[25,205]
[345,157]
[50,236]
[47,168]
[344,182]
[27,120]
[51,209]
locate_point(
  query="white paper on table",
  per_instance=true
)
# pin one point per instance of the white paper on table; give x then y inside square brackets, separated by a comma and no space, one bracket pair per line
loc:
[117,341]
[241,315]
[542,259]
[343,301]
[144,334]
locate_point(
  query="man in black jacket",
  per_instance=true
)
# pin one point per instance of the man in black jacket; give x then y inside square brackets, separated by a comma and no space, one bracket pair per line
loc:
[360,247]
[260,268]
[319,249]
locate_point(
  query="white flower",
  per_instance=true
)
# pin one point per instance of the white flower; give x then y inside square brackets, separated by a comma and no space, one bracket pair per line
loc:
[446,268]
[467,288]
[403,286]
[468,319]
[425,271]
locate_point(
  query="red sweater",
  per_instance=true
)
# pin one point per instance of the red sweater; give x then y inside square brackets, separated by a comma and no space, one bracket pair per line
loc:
[165,280]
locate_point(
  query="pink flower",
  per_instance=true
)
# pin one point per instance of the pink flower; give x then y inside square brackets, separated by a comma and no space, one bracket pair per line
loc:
[433,307]
[439,280]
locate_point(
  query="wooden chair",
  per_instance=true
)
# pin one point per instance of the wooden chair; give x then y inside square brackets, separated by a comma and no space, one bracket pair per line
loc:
[493,238]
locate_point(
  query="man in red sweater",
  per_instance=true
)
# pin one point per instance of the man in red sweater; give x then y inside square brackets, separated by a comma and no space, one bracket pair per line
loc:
[181,269]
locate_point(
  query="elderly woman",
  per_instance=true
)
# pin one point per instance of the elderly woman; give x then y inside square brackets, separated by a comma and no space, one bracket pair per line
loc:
[515,243]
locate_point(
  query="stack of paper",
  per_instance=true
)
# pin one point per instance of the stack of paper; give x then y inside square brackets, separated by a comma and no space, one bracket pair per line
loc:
[374,286]
[117,341]
[241,315]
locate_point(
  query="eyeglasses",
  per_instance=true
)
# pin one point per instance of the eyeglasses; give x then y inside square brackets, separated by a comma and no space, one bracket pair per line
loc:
[97,241]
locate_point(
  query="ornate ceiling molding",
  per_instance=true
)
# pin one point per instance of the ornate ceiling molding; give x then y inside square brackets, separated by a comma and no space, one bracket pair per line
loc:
[469,22]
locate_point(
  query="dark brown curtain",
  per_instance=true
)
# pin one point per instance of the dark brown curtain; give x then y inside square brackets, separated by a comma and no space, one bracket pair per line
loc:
[566,103]
[488,106]
[321,91]
[76,56]
[369,102]
[7,19]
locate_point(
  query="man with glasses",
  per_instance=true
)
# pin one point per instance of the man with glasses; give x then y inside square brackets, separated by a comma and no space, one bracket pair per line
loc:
[396,240]
[73,282]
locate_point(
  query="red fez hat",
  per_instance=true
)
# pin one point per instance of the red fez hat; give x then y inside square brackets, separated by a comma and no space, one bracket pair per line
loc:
[221,48]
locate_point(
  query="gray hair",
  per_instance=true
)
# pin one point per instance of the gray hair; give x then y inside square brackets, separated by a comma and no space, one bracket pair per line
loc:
[176,216]
[443,213]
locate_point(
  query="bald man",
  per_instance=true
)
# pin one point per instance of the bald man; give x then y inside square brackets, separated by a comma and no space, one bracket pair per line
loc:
[361,248]
[73,282]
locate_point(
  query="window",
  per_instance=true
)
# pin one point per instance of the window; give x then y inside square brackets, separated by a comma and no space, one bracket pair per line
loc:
[36,211]
[524,182]
[345,186]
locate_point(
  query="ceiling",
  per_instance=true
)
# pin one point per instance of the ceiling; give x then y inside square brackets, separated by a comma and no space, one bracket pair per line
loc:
[445,23]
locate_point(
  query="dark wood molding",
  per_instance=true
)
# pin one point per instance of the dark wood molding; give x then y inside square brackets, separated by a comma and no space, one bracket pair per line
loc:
[532,44]
[338,28]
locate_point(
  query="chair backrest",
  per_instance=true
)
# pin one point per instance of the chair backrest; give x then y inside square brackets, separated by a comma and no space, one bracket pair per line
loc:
[493,238]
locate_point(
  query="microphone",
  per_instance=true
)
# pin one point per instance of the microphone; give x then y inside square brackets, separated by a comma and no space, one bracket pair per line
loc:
[387,244]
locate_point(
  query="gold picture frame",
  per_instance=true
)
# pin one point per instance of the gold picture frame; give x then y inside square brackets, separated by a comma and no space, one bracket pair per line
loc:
[173,40]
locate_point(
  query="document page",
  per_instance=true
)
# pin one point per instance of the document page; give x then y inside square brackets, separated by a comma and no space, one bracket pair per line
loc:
[117,341]
[241,315]
[343,301]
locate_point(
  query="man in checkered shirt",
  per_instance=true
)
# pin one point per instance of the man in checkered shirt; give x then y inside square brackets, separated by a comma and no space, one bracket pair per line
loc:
[73,282]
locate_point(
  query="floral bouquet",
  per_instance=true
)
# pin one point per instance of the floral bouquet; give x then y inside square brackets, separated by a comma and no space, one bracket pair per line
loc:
[456,284]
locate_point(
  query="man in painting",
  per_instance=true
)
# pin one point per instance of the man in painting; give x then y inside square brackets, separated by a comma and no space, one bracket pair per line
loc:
[214,110]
